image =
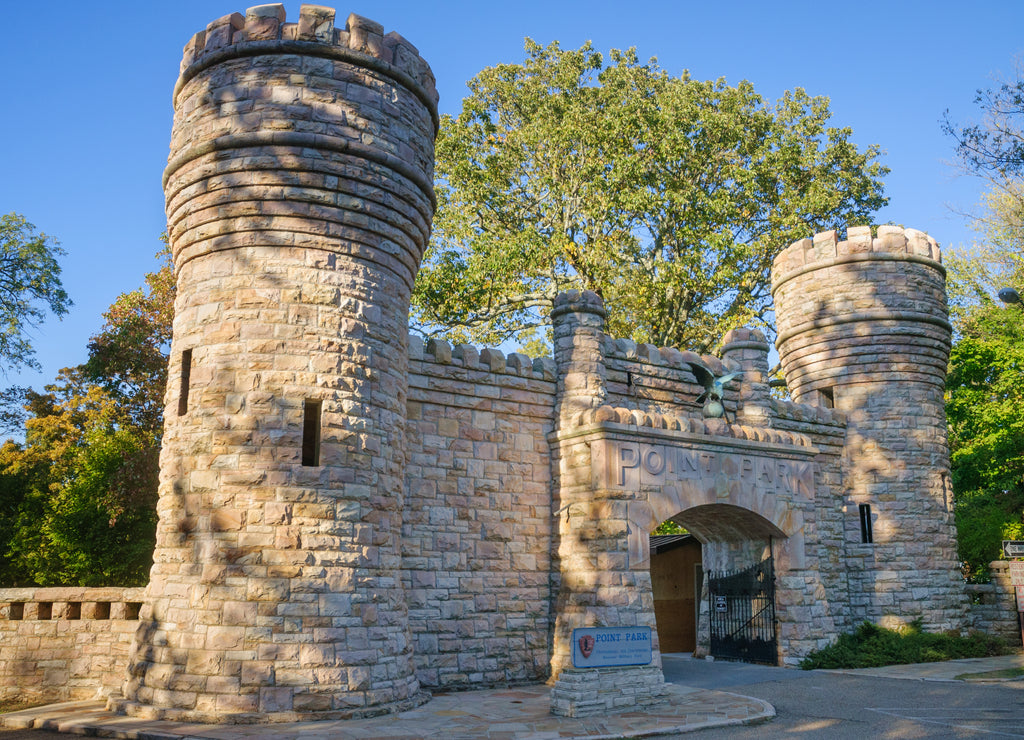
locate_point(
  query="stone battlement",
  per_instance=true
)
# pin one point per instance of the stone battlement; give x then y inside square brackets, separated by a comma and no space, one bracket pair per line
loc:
[825,249]
[263,29]
[671,357]
[803,412]
[486,359]
[65,643]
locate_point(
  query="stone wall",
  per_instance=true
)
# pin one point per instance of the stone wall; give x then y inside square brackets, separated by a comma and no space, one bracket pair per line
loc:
[65,644]
[826,429]
[476,542]
[993,605]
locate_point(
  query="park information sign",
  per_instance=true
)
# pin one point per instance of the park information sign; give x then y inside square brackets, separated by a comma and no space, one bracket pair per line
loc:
[602,647]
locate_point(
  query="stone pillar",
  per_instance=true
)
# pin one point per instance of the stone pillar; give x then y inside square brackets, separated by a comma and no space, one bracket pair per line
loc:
[600,584]
[863,328]
[299,200]
[747,350]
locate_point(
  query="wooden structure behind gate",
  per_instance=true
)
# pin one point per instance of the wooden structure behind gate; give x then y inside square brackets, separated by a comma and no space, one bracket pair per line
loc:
[742,613]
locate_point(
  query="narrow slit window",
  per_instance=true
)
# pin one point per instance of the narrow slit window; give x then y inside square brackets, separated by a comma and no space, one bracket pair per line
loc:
[866,536]
[827,398]
[186,371]
[311,433]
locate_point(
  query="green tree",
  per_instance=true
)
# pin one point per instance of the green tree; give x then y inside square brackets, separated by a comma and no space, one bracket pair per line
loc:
[29,286]
[985,387]
[667,196]
[128,357]
[78,524]
[77,499]
[985,395]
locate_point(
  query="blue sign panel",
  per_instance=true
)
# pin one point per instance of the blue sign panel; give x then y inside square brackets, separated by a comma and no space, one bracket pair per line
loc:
[601,647]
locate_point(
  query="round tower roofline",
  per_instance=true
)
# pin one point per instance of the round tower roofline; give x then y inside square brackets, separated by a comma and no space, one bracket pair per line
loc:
[825,249]
[262,31]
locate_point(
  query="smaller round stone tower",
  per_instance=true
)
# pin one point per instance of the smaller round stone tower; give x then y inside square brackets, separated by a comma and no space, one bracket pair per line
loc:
[299,201]
[863,327]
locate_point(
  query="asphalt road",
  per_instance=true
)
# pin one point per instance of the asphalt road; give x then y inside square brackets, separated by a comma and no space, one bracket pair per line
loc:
[819,704]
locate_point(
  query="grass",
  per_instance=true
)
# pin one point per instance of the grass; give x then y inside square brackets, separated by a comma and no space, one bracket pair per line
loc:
[870,646]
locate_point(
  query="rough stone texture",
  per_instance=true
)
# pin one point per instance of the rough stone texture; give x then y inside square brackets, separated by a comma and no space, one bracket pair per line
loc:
[476,543]
[586,693]
[993,605]
[65,644]
[863,326]
[347,515]
[299,202]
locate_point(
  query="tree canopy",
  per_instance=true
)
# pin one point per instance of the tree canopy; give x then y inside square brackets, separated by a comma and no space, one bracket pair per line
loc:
[78,497]
[985,395]
[29,287]
[985,386]
[667,196]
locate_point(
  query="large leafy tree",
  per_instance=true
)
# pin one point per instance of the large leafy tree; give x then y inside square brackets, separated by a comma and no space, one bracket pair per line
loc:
[985,395]
[985,387]
[29,287]
[77,498]
[666,195]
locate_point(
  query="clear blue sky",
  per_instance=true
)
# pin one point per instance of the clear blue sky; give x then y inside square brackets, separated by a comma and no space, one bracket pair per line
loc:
[86,93]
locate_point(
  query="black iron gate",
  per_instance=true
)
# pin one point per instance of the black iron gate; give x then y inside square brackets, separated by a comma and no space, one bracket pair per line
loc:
[743,614]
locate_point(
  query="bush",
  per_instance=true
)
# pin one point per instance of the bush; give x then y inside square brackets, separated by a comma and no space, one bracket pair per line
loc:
[870,646]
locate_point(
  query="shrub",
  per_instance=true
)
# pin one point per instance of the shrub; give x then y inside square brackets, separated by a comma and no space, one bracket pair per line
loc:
[870,646]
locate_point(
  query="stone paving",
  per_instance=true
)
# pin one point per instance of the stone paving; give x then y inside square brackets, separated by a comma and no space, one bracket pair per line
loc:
[498,714]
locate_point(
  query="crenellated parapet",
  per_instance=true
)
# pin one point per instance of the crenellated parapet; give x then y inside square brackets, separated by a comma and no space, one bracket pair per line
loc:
[651,354]
[864,305]
[826,248]
[263,30]
[485,359]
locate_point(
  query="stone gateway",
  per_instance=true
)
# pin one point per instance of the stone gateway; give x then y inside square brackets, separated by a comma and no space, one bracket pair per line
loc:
[351,518]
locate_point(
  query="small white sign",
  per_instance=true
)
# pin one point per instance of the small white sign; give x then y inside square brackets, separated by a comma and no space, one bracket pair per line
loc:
[721,605]
[601,647]
[1016,572]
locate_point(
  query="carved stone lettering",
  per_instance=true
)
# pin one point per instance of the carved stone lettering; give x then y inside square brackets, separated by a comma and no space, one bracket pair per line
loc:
[627,465]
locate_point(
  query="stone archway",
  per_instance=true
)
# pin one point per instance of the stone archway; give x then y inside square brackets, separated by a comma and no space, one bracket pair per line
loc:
[732,538]
[622,472]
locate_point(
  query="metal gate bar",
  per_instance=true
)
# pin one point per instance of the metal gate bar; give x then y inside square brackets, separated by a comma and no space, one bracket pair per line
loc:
[743,614]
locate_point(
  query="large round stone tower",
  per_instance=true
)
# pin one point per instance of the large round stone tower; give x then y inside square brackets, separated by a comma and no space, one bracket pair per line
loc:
[299,202]
[863,328]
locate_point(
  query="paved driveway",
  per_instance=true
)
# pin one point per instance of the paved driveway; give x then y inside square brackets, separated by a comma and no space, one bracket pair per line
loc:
[824,704]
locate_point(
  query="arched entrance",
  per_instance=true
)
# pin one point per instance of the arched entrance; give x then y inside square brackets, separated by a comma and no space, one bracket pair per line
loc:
[728,610]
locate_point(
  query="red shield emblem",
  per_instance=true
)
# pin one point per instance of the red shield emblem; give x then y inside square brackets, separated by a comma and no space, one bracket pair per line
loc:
[586,643]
